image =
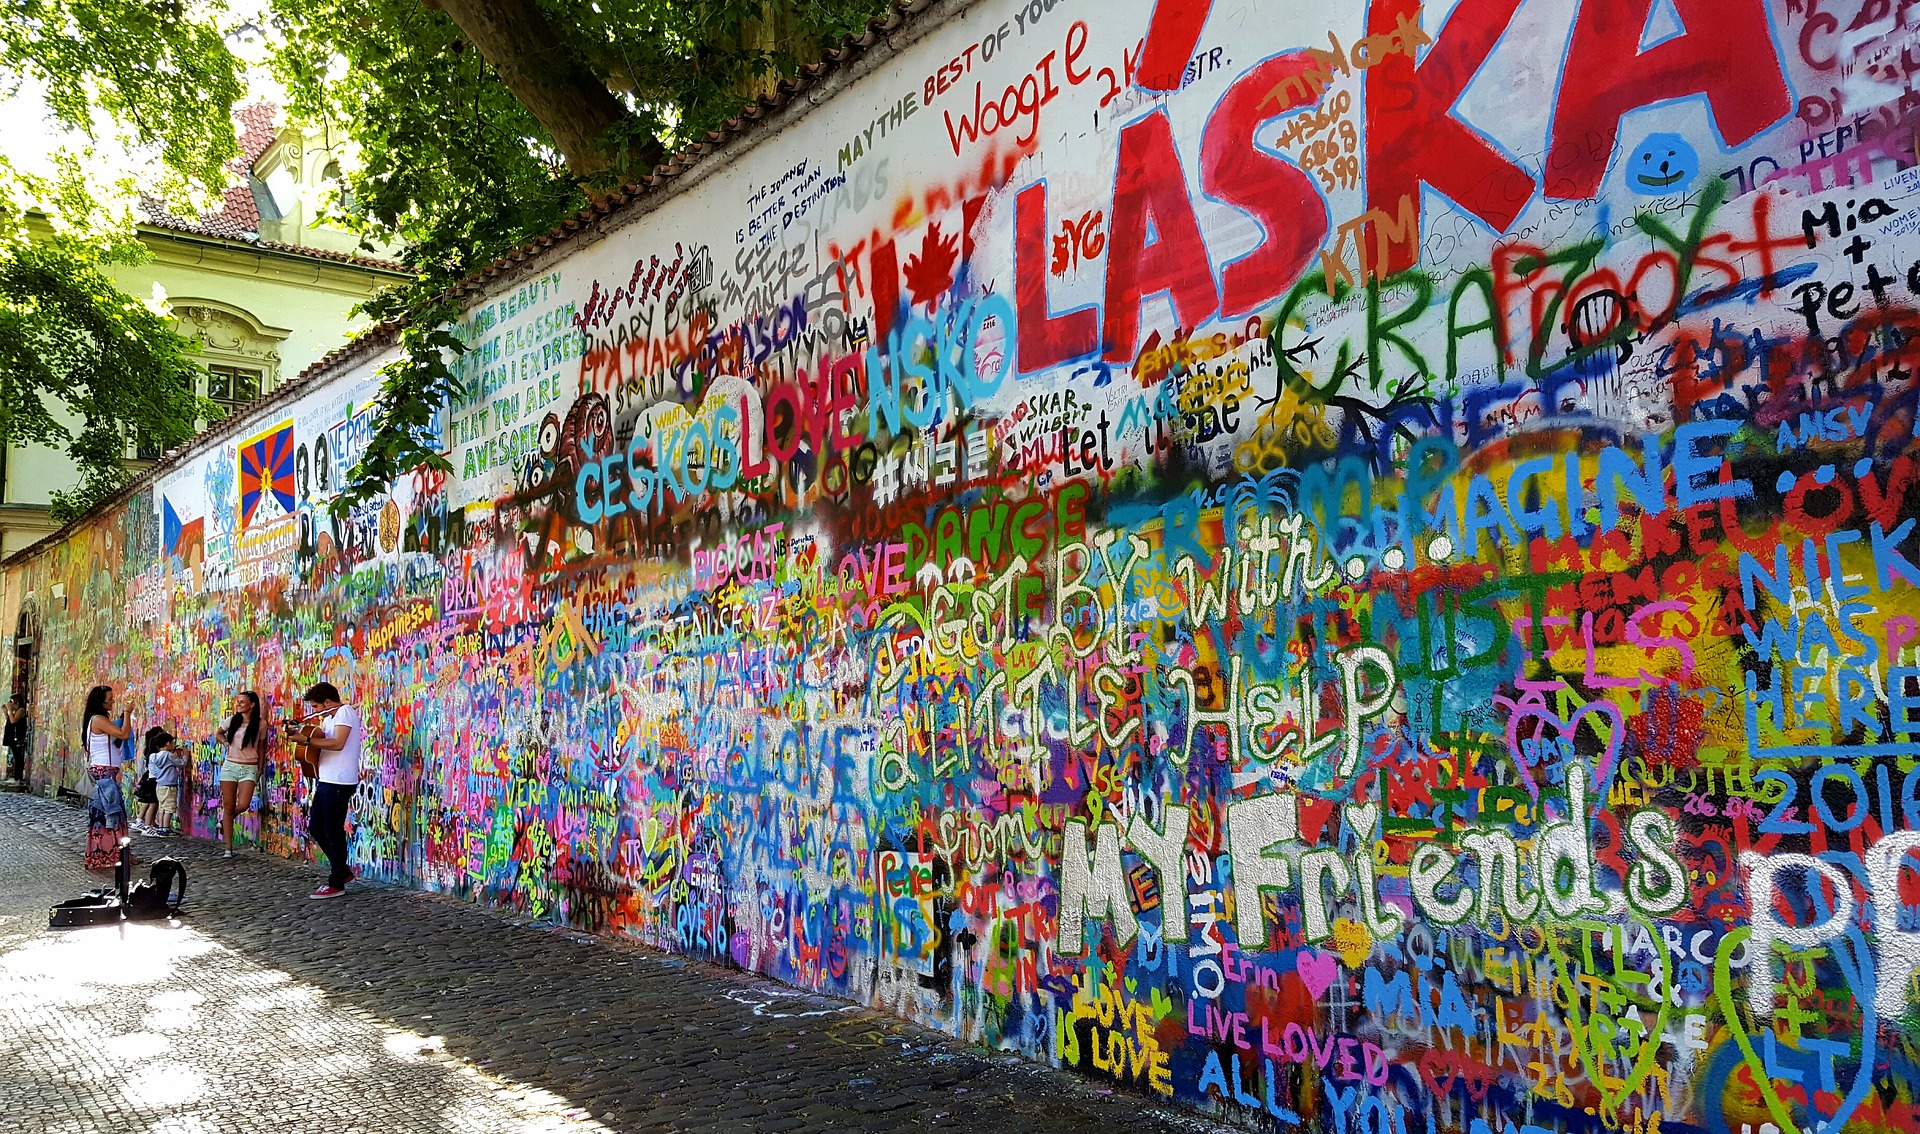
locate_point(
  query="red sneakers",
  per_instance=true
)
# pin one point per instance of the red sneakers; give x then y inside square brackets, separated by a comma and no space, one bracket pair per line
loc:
[332,891]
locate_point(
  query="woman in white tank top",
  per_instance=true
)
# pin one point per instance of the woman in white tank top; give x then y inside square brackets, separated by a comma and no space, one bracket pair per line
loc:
[107,810]
[100,744]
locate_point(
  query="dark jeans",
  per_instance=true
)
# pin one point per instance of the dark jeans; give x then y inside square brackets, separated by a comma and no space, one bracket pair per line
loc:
[327,827]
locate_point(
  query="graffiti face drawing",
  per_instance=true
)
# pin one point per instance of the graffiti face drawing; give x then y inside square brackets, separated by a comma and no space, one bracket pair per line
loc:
[322,467]
[1662,164]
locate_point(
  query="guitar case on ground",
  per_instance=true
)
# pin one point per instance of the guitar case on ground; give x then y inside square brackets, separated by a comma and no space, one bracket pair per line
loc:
[156,899]
[95,907]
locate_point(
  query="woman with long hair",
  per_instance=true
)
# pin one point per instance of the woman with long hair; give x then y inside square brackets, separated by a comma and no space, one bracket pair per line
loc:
[240,771]
[107,809]
[16,738]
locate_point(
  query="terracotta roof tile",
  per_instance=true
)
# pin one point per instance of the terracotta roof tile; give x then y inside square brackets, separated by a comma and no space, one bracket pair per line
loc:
[357,261]
[239,214]
[238,217]
[258,125]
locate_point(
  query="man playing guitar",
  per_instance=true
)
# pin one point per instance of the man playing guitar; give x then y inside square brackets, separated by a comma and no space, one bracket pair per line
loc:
[333,736]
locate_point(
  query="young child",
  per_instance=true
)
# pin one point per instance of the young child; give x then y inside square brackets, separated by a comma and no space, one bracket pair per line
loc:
[164,761]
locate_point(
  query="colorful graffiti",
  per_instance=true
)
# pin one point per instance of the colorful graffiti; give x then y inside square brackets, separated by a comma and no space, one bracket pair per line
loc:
[1351,568]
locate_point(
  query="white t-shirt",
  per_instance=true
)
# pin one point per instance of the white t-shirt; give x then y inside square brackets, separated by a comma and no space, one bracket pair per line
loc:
[343,766]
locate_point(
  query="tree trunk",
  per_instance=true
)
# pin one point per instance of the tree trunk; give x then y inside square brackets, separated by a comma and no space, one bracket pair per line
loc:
[779,26]
[555,85]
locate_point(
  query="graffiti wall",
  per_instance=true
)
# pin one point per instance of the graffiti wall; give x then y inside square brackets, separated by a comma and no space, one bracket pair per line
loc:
[1350,566]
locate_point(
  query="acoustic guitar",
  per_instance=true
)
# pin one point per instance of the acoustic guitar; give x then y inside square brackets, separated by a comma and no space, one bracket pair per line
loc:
[298,733]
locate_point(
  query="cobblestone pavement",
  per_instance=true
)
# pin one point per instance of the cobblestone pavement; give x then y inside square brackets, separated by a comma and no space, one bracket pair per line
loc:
[392,1010]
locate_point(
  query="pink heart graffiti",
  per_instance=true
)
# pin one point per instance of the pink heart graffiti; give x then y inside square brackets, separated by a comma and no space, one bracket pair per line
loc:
[1317,971]
[1543,718]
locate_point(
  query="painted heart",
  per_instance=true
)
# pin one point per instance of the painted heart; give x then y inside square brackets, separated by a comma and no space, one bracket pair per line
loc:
[1317,971]
[1723,992]
[1162,1007]
[1641,1062]
[1540,726]
[1362,818]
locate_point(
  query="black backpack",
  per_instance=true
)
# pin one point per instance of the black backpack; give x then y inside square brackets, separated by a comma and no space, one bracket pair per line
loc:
[155,899]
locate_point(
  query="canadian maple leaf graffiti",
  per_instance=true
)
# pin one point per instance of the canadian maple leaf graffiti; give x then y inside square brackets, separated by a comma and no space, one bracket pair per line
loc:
[930,273]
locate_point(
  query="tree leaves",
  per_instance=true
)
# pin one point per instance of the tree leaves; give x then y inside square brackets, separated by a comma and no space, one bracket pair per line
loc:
[413,387]
[157,69]
[453,165]
[154,77]
[70,338]
[450,163]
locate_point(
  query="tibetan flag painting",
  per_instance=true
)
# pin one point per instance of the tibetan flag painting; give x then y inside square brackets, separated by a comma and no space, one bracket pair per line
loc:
[266,476]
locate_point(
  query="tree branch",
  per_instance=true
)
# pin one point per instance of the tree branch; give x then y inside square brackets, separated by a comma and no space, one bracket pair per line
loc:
[590,126]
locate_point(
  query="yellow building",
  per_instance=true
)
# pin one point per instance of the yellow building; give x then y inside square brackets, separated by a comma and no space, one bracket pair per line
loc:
[264,289]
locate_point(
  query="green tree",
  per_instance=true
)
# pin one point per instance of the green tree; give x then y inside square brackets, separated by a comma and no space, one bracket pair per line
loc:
[148,90]
[156,75]
[69,335]
[484,123]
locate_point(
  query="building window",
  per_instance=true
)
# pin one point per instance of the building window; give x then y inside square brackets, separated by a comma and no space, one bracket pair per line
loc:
[240,355]
[232,387]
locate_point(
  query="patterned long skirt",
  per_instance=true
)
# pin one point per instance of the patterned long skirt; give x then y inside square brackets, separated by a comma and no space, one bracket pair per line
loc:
[103,838]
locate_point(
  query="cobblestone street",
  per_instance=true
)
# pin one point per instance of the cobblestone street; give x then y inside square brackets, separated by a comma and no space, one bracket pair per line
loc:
[394,1010]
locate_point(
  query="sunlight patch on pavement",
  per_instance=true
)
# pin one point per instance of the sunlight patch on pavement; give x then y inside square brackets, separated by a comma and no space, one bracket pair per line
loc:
[148,1017]
[412,1047]
[164,1086]
[174,1011]
[137,1046]
[132,955]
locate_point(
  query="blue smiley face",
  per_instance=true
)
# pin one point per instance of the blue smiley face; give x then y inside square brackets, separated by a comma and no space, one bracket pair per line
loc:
[1662,164]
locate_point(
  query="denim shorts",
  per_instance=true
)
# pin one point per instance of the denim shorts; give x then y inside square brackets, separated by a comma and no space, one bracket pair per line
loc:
[236,773]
